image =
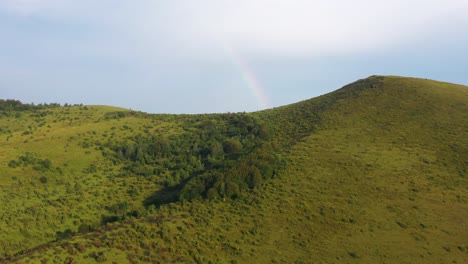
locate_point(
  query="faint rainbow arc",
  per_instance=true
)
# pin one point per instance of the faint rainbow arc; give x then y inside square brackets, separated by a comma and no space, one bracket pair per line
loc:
[249,77]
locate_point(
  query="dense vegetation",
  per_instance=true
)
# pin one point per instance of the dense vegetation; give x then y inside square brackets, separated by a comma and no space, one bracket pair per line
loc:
[154,159]
[374,172]
[216,156]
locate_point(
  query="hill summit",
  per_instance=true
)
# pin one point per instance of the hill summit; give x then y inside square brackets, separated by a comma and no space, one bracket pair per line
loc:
[373,172]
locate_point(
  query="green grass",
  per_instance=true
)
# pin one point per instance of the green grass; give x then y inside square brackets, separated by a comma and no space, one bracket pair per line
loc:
[376,172]
[33,211]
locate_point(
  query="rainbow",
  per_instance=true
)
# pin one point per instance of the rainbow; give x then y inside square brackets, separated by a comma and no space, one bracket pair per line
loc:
[249,78]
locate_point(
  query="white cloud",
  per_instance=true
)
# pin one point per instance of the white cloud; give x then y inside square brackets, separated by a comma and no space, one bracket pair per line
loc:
[32,7]
[292,27]
[162,49]
[259,27]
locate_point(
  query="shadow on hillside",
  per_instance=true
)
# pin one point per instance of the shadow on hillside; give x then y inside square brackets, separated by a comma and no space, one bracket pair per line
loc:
[164,196]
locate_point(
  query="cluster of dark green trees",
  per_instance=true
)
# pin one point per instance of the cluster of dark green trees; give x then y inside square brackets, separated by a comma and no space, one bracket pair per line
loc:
[31,159]
[16,105]
[15,108]
[216,157]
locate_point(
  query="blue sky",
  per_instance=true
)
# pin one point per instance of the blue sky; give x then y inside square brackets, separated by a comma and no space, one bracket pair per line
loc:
[184,56]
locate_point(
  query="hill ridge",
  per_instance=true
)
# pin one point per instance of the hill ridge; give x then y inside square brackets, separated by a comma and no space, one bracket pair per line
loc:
[375,165]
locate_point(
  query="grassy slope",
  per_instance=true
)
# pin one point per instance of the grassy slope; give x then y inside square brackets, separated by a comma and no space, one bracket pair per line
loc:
[33,211]
[376,173]
[383,180]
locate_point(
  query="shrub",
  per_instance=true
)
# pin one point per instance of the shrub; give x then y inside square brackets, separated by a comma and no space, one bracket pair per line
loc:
[92,168]
[13,164]
[47,164]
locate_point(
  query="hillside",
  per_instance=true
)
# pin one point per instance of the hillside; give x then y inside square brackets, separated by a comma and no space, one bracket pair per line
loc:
[373,172]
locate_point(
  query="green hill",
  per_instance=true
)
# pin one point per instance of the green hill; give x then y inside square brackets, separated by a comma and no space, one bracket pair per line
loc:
[373,172]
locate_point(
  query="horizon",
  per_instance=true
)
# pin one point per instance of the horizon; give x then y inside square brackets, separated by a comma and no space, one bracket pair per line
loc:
[208,113]
[220,56]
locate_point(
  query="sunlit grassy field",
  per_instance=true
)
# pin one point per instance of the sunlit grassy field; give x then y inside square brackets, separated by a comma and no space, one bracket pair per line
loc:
[71,194]
[375,172]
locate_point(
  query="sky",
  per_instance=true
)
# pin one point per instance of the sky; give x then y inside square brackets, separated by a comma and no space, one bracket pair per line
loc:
[207,56]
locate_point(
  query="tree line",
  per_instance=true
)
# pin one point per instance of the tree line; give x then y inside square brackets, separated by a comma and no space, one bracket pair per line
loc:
[216,157]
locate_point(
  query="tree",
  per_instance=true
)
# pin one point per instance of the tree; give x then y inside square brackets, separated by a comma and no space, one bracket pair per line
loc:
[232,190]
[212,194]
[216,150]
[255,178]
[193,190]
[232,146]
